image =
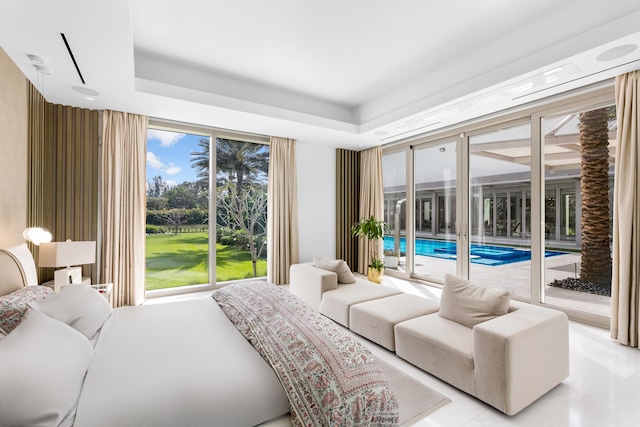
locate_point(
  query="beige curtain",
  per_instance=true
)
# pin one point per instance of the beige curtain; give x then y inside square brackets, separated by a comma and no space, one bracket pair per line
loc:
[63,173]
[371,197]
[626,214]
[282,210]
[71,176]
[123,199]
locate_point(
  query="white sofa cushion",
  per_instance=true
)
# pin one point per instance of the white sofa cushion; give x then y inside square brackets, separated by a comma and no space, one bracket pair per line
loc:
[469,304]
[336,303]
[375,319]
[439,346]
[338,266]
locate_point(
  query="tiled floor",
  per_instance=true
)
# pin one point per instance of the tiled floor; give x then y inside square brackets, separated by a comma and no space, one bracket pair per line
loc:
[603,389]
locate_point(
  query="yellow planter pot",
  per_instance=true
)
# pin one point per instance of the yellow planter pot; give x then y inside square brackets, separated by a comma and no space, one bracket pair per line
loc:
[375,275]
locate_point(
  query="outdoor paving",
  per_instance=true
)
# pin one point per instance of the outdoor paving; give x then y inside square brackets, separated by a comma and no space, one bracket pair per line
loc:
[517,276]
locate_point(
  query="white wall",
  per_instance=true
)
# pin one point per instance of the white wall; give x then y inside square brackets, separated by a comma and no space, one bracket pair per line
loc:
[316,167]
[13,152]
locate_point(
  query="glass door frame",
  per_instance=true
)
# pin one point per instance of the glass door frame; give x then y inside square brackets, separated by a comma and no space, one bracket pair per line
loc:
[588,102]
[466,177]
[409,213]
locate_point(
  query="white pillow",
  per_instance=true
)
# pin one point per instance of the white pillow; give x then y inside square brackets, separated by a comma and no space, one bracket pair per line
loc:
[338,266]
[79,306]
[468,303]
[42,367]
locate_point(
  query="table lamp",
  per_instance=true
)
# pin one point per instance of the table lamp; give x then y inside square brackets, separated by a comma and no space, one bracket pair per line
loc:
[70,255]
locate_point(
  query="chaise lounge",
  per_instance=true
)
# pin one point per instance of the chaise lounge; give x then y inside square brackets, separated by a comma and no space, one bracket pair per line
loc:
[503,352]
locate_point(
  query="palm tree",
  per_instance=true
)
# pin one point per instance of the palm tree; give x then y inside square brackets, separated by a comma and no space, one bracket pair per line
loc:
[594,183]
[200,159]
[241,191]
[243,163]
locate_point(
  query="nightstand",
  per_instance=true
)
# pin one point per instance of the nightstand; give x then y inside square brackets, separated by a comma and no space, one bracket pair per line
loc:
[50,283]
[105,289]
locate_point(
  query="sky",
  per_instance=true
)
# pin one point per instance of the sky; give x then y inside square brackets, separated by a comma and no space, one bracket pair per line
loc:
[169,155]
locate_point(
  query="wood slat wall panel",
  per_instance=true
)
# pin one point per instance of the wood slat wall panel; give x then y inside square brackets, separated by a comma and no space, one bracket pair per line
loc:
[36,161]
[347,204]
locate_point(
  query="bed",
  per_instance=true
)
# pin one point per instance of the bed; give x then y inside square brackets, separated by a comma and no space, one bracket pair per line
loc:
[253,354]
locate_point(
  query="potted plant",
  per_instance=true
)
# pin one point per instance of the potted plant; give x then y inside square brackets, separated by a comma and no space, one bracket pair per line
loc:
[391,258]
[372,230]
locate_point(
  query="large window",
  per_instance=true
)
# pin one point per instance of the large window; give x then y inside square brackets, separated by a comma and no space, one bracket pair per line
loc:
[177,242]
[395,209]
[511,202]
[241,218]
[435,243]
[191,238]
[579,159]
[499,166]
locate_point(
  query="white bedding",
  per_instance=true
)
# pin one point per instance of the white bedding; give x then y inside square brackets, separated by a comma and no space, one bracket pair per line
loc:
[177,364]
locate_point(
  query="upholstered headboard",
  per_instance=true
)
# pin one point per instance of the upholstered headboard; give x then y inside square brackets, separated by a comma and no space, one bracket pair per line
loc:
[17,269]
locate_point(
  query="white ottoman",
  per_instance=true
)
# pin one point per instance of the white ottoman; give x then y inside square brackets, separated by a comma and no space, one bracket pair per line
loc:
[376,319]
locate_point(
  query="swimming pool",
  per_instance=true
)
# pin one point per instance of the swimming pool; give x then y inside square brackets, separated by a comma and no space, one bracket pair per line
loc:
[480,254]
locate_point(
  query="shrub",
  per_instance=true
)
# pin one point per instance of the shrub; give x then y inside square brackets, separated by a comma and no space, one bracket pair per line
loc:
[228,237]
[155,229]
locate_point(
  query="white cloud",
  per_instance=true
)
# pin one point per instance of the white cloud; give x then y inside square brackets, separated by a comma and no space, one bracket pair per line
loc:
[170,183]
[154,162]
[173,169]
[167,139]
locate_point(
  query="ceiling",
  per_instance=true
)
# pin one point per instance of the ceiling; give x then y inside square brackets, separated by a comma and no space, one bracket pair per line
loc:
[349,74]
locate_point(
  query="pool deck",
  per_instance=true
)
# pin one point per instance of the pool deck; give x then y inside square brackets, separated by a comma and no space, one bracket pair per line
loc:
[517,276]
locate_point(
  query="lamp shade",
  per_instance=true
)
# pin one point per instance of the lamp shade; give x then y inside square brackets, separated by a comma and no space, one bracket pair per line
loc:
[37,235]
[65,254]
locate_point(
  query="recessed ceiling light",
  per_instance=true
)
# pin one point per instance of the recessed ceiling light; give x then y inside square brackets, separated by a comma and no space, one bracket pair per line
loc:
[85,90]
[616,52]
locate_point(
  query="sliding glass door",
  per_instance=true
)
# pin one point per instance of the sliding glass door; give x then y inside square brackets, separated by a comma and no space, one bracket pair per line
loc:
[394,172]
[524,203]
[241,209]
[579,163]
[499,181]
[435,248]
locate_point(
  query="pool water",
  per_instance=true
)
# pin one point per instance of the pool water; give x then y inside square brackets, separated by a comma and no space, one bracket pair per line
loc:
[480,254]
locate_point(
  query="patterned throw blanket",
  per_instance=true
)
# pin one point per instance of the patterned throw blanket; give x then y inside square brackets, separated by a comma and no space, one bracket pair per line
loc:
[330,378]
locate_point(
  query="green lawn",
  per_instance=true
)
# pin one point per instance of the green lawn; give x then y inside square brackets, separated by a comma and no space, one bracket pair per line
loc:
[181,260]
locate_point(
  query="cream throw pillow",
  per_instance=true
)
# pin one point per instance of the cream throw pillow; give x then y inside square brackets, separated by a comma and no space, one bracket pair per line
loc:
[338,266]
[468,303]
